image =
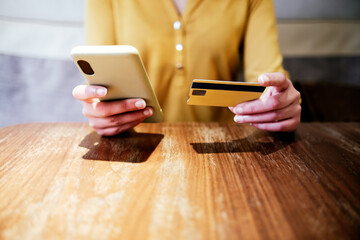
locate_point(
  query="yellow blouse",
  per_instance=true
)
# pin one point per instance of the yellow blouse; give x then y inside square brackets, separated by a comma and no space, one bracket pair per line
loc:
[203,42]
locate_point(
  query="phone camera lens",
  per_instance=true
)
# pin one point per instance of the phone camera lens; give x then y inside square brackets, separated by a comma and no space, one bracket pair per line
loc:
[85,67]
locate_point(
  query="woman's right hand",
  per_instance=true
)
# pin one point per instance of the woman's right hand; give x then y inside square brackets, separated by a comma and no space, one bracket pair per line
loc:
[110,118]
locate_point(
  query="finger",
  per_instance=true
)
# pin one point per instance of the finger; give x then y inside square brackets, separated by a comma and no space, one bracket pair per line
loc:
[86,92]
[274,101]
[261,105]
[286,125]
[121,119]
[277,80]
[116,130]
[107,109]
[289,111]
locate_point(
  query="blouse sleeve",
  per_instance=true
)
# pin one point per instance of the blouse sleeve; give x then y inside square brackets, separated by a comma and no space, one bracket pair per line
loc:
[99,23]
[261,48]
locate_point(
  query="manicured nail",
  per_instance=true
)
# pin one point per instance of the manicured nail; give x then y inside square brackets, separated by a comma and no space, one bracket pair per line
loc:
[101,92]
[140,104]
[239,110]
[239,119]
[264,79]
[148,112]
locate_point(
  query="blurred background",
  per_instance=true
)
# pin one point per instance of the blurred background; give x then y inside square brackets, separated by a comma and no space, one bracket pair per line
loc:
[320,41]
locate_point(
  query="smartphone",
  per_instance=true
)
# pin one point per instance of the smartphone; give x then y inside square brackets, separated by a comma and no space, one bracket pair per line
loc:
[120,69]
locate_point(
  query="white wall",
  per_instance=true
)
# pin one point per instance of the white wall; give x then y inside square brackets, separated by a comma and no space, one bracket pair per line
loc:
[36,71]
[315,9]
[41,28]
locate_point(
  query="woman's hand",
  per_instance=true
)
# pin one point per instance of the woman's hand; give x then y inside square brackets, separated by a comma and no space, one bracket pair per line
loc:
[278,109]
[110,118]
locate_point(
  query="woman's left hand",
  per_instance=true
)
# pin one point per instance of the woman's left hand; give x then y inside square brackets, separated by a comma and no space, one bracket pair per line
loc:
[278,108]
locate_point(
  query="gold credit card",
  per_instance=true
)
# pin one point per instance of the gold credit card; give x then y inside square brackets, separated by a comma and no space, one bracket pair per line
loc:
[222,93]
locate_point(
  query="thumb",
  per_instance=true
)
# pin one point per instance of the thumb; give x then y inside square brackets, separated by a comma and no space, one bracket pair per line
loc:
[277,80]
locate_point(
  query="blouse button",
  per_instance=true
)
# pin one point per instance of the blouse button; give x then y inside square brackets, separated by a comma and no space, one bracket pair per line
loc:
[179,66]
[177,25]
[179,47]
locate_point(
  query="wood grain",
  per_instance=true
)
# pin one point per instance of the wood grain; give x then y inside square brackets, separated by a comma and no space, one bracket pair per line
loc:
[180,181]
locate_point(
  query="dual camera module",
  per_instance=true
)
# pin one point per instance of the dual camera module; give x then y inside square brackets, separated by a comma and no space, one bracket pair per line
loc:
[85,67]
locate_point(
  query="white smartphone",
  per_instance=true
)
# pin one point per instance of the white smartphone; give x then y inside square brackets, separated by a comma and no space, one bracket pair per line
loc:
[119,68]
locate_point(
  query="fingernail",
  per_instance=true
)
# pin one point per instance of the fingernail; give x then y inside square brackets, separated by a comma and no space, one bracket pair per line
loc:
[238,110]
[239,119]
[140,104]
[148,112]
[101,92]
[264,79]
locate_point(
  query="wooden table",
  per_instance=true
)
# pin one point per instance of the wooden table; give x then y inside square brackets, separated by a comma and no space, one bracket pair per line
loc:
[180,181]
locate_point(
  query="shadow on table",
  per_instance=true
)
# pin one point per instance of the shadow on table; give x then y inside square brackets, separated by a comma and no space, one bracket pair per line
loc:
[260,141]
[130,146]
